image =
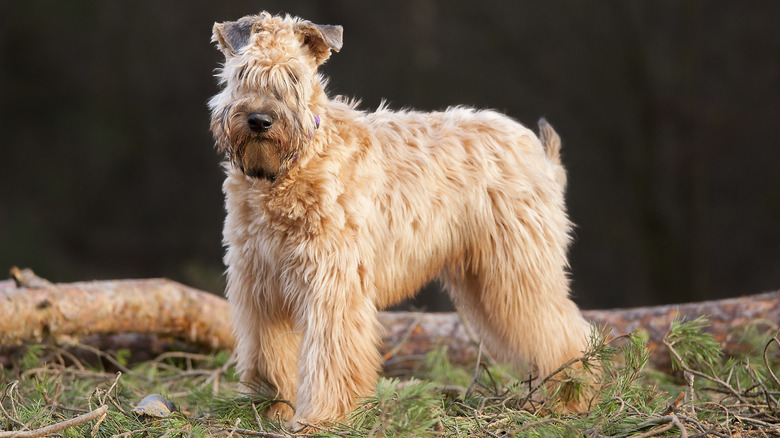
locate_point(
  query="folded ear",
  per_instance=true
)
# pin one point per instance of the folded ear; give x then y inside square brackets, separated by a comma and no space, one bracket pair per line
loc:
[231,36]
[321,39]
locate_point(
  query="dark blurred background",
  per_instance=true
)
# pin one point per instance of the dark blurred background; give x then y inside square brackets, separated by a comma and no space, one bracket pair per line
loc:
[669,112]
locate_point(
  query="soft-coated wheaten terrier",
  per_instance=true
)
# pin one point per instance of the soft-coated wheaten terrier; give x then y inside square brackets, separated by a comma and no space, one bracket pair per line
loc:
[334,212]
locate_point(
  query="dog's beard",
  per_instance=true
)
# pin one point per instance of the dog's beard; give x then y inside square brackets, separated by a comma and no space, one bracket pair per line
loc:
[259,159]
[266,155]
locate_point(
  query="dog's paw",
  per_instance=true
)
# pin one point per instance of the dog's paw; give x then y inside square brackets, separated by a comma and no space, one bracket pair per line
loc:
[280,411]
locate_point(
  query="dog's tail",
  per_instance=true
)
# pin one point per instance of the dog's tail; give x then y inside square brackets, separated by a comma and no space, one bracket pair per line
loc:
[552,146]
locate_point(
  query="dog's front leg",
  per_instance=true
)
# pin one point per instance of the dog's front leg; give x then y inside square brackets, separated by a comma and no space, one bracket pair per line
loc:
[339,358]
[267,343]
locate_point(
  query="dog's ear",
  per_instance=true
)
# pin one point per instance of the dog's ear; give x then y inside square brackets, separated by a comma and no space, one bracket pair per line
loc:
[231,36]
[321,39]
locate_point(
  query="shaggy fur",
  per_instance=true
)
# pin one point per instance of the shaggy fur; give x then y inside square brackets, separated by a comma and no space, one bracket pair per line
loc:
[333,213]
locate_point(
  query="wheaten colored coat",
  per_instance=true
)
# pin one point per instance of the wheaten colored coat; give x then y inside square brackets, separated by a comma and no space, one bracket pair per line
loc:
[333,213]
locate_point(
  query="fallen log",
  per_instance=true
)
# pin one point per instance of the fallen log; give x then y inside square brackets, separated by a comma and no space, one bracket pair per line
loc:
[156,306]
[167,308]
[417,333]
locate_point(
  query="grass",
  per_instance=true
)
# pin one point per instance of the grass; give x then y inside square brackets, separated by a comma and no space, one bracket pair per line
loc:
[706,393]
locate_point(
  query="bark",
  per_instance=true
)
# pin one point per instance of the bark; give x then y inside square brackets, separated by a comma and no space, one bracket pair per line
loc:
[166,308]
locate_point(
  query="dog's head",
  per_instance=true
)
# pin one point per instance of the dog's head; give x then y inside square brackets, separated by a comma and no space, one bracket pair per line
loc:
[267,110]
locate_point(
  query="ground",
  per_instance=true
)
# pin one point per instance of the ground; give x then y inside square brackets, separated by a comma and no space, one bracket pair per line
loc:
[707,393]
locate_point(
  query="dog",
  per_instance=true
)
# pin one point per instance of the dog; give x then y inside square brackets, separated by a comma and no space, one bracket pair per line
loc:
[334,213]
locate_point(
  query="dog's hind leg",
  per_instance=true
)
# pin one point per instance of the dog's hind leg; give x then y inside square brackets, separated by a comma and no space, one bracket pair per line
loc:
[516,326]
[511,286]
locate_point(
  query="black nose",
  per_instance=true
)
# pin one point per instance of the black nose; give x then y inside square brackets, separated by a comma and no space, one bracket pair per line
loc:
[259,122]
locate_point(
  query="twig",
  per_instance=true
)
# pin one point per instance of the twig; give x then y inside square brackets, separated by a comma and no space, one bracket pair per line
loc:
[215,382]
[57,391]
[727,412]
[616,413]
[14,385]
[754,421]
[696,373]
[252,433]
[96,427]
[63,352]
[703,431]
[770,400]
[128,434]
[113,385]
[72,372]
[235,426]
[689,377]
[214,376]
[184,375]
[181,355]
[114,400]
[257,416]
[656,431]
[9,389]
[766,361]
[109,357]
[479,425]
[54,428]
[670,421]
[476,369]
